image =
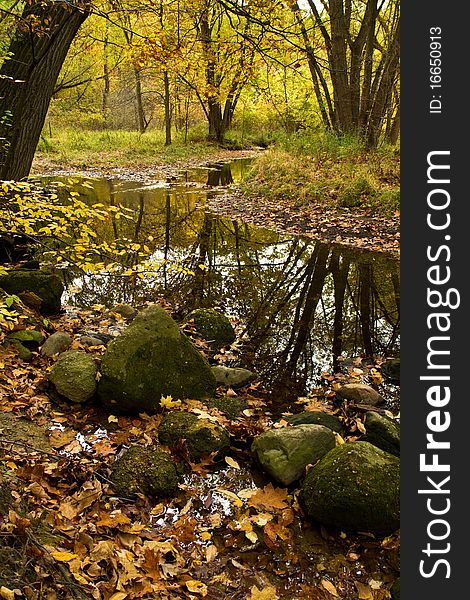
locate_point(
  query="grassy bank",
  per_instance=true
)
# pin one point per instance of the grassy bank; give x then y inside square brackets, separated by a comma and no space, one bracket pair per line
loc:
[73,148]
[337,172]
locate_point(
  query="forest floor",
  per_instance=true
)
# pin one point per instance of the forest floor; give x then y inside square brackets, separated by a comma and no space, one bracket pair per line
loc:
[356,226]
[227,534]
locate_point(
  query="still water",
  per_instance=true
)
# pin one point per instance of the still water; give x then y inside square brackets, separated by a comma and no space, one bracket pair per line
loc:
[301,305]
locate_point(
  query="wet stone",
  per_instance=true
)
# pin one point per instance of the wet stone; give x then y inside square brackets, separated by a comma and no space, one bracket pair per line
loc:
[360,393]
[56,343]
[74,376]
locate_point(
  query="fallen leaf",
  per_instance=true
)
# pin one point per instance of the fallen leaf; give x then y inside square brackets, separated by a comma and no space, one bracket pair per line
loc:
[64,556]
[267,593]
[270,497]
[211,552]
[329,587]
[231,462]
[364,591]
[196,587]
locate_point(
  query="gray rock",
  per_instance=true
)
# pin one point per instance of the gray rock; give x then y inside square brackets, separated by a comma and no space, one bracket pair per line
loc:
[74,376]
[316,417]
[144,470]
[232,377]
[201,436]
[56,343]
[383,432]
[151,359]
[355,487]
[89,340]
[214,327]
[359,393]
[47,286]
[284,453]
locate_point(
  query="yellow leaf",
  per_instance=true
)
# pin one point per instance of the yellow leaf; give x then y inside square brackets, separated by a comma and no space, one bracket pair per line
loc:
[267,593]
[329,587]
[364,591]
[168,402]
[211,552]
[339,439]
[251,535]
[119,596]
[233,463]
[64,556]
[7,593]
[231,496]
[196,587]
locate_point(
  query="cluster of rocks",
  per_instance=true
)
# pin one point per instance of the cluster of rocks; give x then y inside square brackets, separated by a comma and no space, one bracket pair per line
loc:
[353,486]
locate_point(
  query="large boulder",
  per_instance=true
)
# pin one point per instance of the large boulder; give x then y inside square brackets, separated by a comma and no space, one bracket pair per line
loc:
[214,327]
[47,286]
[383,432]
[151,359]
[355,487]
[74,376]
[200,436]
[284,453]
[144,470]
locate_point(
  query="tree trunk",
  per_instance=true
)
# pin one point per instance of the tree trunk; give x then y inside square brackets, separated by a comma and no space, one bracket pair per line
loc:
[142,123]
[166,81]
[27,81]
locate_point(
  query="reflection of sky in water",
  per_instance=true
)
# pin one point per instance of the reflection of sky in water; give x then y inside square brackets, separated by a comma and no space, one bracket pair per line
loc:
[298,301]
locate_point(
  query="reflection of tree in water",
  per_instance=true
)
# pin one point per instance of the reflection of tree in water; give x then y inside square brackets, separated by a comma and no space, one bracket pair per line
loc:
[303,304]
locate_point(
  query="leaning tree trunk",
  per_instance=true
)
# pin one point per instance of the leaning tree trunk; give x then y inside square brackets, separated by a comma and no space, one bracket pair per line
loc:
[38,49]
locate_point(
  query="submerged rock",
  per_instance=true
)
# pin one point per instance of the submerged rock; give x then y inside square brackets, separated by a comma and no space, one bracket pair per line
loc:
[214,327]
[144,470]
[56,343]
[201,436]
[74,376]
[233,377]
[47,286]
[284,453]
[360,393]
[151,359]
[355,487]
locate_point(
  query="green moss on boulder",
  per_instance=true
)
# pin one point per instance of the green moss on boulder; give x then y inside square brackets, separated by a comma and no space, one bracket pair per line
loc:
[214,327]
[74,376]
[284,453]
[144,470]
[231,407]
[355,487]
[316,417]
[383,432]
[151,359]
[47,286]
[202,437]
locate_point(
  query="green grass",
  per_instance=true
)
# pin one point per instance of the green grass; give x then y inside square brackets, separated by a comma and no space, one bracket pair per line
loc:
[72,147]
[337,172]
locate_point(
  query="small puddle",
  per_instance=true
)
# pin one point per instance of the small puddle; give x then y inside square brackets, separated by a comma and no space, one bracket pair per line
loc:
[304,307]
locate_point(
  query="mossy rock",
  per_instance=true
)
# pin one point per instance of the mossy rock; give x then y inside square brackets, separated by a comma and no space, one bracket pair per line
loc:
[284,453]
[316,417]
[202,437]
[24,353]
[150,359]
[47,286]
[28,337]
[214,327]
[174,427]
[383,432]
[230,407]
[74,376]
[355,487]
[144,470]
[395,590]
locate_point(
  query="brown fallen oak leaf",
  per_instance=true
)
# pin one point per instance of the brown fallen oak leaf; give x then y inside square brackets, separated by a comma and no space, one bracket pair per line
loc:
[269,498]
[85,497]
